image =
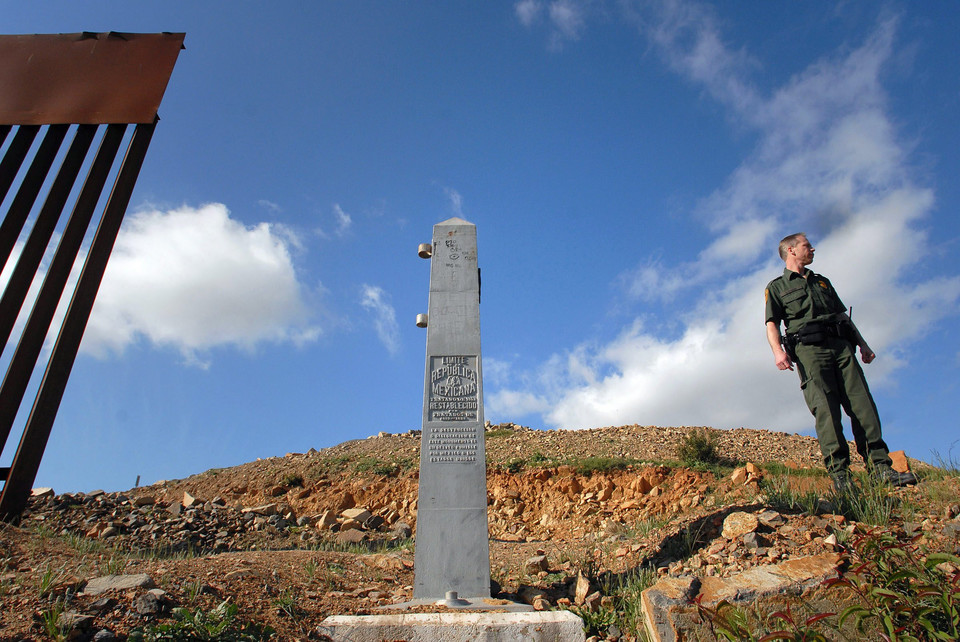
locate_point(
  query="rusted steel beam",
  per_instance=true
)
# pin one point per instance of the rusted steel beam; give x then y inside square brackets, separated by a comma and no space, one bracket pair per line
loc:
[11,302]
[13,159]
[94,78]
[35,331]
[26,462]
[29,189]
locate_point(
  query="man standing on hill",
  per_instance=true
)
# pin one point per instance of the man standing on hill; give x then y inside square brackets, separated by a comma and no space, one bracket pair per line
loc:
[822,340]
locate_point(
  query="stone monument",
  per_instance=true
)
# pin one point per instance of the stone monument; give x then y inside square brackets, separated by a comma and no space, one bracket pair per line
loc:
[452,544]
[452,556]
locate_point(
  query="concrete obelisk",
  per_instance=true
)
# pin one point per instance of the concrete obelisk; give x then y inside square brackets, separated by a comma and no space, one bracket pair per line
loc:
[452,546]
[452,557]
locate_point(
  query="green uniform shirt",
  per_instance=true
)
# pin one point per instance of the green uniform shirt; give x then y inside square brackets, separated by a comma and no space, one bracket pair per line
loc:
[796,300]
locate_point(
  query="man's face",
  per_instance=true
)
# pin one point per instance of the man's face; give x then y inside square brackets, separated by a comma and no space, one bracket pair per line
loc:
[803,251]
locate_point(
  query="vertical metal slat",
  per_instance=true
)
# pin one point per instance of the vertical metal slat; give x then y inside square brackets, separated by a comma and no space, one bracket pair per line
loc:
[26,462]
[27,194]
[11,302]
[35,331]
[13,159]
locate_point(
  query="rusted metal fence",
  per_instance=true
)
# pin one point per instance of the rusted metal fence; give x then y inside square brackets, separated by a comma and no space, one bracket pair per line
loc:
[92,88]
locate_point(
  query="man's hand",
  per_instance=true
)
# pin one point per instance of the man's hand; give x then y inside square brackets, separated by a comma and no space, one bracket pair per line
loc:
[780,357]
[783,361]
[866,354]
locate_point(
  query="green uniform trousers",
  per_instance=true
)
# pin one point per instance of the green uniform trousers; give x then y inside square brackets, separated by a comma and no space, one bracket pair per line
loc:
[831,379]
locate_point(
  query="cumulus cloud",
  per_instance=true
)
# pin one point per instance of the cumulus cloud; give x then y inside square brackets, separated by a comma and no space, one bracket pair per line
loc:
[375,300]
[194,279]
[828,161]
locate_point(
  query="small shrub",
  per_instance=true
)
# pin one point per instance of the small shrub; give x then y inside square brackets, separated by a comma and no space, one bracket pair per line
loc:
[375,465]
[49,580]
[902,591]
[219,625]
[193,591]
[596,622]
[286,605]
[728,622]
[292,480]
[627,593]
[497,433]
[538,459]
[52,625]
[698,445]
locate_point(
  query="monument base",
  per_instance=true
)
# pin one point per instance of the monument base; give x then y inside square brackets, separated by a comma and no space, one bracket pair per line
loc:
[453,601]
[489,626]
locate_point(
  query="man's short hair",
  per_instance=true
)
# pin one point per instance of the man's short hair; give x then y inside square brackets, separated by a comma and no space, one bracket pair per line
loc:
[788,242]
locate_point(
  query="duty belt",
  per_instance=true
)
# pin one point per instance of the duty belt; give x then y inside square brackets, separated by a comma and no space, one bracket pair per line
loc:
[829,328]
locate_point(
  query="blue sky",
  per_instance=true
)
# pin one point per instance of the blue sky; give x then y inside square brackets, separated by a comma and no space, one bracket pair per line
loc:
[630,167]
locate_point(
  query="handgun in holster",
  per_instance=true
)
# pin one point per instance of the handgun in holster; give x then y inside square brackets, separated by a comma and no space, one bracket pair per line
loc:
[789,343]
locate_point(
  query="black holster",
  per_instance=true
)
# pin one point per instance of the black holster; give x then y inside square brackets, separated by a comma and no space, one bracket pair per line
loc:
[789,343]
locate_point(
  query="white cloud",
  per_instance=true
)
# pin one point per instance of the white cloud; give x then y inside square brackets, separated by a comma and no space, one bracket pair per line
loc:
[515,403]
[270,206]
[566,19]
[343,222]
[194,279]
[456,201]
[527,11]
[374,299]
[828,162]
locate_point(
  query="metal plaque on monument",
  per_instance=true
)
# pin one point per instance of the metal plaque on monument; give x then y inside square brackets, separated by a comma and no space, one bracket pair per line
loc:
[452,547]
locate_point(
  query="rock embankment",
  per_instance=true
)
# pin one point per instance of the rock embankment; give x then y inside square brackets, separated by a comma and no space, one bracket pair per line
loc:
[143,523]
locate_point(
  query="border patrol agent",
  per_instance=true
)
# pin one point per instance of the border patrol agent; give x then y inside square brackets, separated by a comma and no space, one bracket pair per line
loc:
[821,340]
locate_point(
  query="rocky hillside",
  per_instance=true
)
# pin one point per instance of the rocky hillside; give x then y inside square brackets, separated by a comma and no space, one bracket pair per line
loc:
[290,540]
[382,470]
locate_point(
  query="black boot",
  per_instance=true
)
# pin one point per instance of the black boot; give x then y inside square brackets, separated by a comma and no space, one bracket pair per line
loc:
[842,483]
[895,478]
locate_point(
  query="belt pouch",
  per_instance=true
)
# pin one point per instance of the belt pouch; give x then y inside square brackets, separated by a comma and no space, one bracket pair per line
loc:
[812,334]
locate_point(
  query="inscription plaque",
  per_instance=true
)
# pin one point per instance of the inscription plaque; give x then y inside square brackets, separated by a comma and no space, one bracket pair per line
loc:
[453,389]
